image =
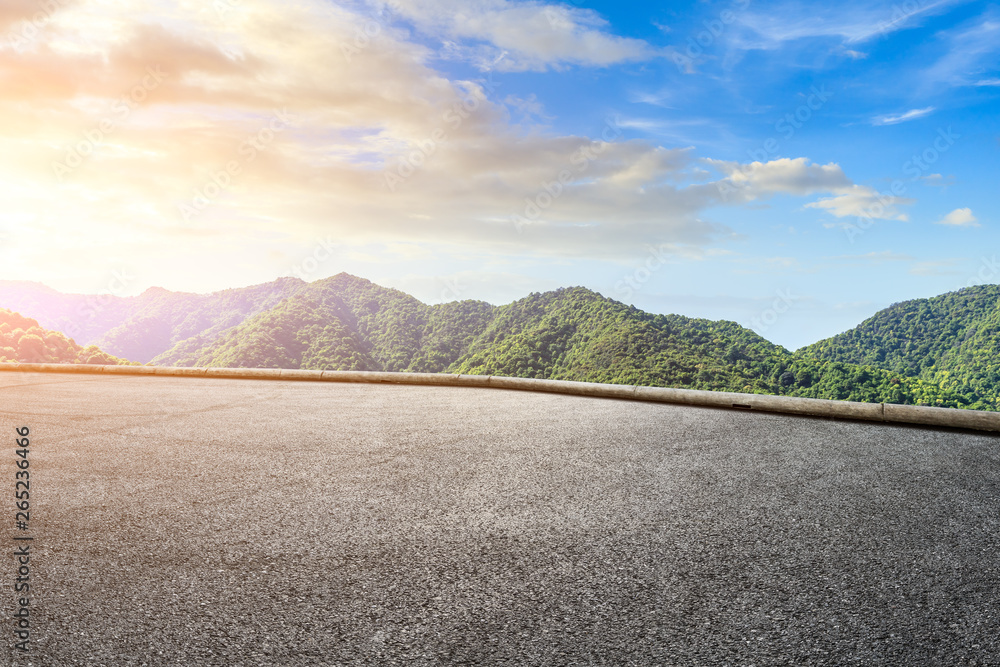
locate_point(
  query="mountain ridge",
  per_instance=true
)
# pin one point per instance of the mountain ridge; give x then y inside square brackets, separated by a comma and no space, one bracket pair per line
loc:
[121,323]
[345,322]
[952,340]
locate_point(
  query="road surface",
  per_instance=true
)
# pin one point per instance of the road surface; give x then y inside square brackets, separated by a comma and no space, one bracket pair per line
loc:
[187,521]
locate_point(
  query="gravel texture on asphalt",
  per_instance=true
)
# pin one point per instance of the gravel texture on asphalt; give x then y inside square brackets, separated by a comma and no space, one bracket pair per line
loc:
[243,522]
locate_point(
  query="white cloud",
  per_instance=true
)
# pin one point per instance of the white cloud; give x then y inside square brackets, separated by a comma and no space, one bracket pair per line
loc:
[359,115]
[786,175]
[938,181]
[987,82]
[362,110]
[798,177]
[862,201]
[850,22]
[531,35]
[971,49]
[893,119]
[529,107]
[960,217]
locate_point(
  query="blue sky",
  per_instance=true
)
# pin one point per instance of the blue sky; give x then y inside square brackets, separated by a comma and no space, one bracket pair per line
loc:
[793,167]
[893,77]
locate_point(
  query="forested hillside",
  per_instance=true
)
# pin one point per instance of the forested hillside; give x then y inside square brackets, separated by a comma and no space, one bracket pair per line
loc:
[23,340]
[576,334]
[347,323]
[145,326]
[82,317]
[931,352]
[161,319]
[952,341]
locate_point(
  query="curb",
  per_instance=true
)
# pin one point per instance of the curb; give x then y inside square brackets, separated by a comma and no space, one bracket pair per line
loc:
[812,407]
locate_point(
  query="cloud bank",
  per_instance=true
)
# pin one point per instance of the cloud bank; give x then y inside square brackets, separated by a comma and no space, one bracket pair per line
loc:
[232,128]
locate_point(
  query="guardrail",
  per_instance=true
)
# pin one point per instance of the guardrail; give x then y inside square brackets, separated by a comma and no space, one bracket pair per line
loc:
[811,407]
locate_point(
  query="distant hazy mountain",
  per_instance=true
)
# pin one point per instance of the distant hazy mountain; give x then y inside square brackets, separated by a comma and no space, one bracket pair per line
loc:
[23,340]
[141,327]
[83,318]
[952,341]
[345,323]
[348,323]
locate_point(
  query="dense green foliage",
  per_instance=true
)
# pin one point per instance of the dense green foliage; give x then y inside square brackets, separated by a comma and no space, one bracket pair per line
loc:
[346,323]
[22,340]
[576,334]
[939,351]
[950,341]
[162,319]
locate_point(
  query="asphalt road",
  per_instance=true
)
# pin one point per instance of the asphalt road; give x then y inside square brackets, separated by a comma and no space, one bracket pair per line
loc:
[239,522]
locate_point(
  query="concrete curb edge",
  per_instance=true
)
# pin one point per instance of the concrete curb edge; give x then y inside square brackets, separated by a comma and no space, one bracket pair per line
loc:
[812,407]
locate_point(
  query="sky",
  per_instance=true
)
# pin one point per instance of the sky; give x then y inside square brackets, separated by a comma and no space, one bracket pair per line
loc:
[793,167]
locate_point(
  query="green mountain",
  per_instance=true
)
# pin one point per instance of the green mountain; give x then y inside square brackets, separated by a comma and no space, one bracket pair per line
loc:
[83,317]
[951,341]
[160,319]
[348,323]
[344,323]
[23,340]
[145,326]
[576,334]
